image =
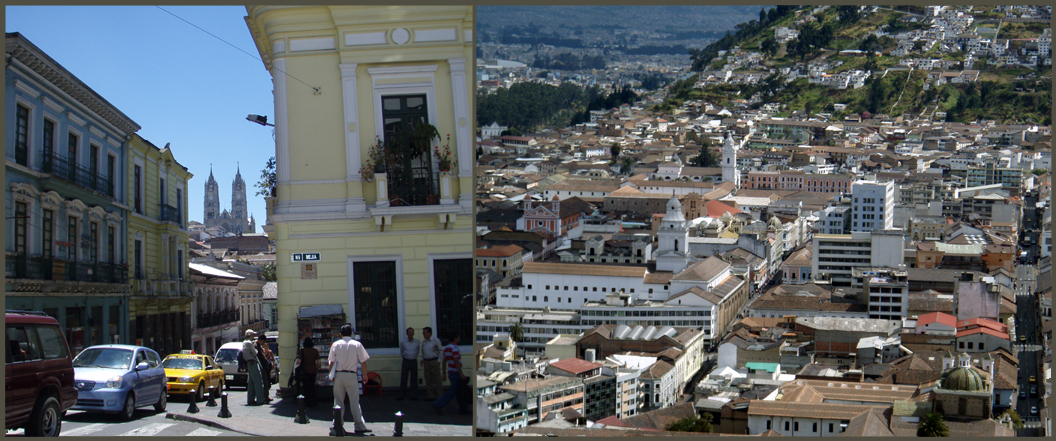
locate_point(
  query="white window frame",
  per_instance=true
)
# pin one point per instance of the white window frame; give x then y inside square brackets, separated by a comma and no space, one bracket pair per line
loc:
[31,144]
[79,214]
[413,75]
[141,262]
[400,305]
[117,173]
[32,204]
[142,185]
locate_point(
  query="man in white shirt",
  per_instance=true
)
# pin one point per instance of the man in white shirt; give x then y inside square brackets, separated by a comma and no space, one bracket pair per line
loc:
[409,369]
[347,355]
[431,351]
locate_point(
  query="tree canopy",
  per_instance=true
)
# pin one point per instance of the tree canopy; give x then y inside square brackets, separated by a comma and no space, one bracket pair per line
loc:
[932,425]
[692,423]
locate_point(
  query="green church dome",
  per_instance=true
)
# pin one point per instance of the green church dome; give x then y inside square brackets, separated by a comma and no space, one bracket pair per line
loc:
[964,378]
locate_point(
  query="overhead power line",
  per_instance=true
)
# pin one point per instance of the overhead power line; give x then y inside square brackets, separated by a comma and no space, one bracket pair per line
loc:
[316,89]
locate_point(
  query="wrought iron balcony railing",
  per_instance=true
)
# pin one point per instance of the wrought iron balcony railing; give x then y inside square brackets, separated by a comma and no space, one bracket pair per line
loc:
[219,318]
[21,266]
[169,213]
[76,173]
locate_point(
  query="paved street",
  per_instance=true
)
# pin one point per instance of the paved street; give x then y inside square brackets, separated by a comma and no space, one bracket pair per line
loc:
[1029,324]
[275,419]
[146,423]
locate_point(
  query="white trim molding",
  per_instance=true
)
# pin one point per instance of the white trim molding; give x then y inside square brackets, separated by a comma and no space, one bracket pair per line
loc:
[312,44]
[26,88]
[353,132]
[282,121]
[52,104]
[428,89]
[75,119]
[460,99]
[429,35]
[365,38]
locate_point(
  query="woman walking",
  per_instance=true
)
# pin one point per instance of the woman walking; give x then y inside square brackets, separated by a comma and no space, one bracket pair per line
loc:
[308,359]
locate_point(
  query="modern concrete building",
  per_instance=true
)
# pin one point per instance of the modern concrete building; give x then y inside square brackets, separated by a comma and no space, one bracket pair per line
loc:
[394,245]
[872,205]
[884,290]
[833,256]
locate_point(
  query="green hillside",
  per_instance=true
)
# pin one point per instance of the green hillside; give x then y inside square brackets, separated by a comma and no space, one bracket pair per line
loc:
[1004,95]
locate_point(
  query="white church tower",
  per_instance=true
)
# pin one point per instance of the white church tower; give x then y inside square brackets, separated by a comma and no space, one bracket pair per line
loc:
[673,250]
[729,161]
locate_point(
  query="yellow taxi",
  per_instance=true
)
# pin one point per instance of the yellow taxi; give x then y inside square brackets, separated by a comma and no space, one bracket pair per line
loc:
[187,370]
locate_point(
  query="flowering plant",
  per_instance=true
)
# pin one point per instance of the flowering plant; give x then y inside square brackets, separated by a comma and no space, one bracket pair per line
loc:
[375,160]
[445,160]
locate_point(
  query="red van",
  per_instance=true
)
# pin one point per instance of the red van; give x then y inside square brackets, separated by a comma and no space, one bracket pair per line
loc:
[39,370]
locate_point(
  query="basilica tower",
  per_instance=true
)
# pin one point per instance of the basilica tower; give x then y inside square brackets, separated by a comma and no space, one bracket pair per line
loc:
[212,199]
[239,208]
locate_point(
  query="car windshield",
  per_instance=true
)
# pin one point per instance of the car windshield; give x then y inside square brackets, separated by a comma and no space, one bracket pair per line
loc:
[227,356]
[113,358]
[182,363]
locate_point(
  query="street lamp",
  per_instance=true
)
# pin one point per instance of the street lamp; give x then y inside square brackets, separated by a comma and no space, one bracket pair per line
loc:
[259,119]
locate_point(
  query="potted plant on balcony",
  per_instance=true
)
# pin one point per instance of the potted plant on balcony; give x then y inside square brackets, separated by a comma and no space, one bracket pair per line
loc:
[445,160]
[375,160]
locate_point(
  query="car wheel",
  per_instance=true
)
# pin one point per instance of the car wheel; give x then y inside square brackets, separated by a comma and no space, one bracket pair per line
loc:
[222,386]
[130,408]
[201,392]
[163,400]
[45,419]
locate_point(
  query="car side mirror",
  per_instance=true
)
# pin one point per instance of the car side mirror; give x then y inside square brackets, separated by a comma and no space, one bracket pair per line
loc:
[142,366]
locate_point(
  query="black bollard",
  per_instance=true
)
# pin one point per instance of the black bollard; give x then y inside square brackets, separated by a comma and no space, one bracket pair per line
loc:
[212,397]
[224,413]
[398,429]
[339,423]
[193,399]
[302,416]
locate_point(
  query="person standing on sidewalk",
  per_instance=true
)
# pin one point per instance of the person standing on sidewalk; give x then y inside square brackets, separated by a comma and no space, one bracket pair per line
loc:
[264,351]
[453,364]
[310,362]
[409,349]
[255,392]
[346,356]
[431,351]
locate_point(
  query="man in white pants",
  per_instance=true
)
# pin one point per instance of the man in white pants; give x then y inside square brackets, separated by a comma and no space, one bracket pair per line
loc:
[346,356]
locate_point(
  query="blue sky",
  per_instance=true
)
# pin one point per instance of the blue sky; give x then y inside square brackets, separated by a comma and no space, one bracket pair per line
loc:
[181,85]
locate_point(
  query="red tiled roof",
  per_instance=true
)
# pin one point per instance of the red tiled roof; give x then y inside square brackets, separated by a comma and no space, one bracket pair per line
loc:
[982,322]
[987,331]
[715,209]
[575,365]
[937,317]
[499,251]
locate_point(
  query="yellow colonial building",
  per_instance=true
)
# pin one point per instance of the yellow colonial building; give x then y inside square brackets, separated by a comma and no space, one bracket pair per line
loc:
[372,213]
[160,300]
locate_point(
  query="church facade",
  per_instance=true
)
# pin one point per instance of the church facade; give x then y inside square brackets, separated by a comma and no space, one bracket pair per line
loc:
[236,221]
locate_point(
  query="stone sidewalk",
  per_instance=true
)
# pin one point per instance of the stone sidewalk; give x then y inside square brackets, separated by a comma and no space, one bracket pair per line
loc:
[277,418]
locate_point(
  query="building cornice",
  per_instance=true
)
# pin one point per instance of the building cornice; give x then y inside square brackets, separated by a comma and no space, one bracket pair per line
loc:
[22,50]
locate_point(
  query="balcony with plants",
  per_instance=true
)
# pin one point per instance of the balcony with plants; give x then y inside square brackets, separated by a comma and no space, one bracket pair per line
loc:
[409,169]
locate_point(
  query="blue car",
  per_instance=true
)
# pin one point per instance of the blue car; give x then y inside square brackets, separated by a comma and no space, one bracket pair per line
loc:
[118,379]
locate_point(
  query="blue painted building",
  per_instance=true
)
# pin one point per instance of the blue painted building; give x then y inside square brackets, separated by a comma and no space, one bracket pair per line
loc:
[65,208]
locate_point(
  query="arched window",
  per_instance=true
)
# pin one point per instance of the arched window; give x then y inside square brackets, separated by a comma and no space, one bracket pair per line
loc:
[546,299]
